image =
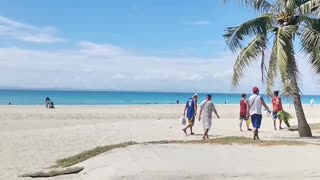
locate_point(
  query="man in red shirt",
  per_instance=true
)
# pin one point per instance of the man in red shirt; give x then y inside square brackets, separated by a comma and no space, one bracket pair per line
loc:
[243,111]
[277,107]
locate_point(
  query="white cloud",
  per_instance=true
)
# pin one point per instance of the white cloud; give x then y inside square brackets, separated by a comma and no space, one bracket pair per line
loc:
[100,66]
[200,23]
[27,33]
[100,50]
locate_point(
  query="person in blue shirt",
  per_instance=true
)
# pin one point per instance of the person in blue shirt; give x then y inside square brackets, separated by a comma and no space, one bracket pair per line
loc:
[191,110]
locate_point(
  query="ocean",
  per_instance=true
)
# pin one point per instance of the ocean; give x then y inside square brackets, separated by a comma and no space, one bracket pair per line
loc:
[60,97]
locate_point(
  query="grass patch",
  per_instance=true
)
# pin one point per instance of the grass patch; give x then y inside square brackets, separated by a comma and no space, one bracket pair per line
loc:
[314,126]
[66,162]
[233,140]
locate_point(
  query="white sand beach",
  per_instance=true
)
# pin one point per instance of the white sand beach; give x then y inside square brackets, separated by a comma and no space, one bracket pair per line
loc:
[33,138]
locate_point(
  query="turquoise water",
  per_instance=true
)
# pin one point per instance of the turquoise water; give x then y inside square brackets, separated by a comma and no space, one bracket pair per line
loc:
[37,97]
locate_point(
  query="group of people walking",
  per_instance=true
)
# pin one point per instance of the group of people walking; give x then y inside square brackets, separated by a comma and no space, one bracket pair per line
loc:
[205,114]
[250,109]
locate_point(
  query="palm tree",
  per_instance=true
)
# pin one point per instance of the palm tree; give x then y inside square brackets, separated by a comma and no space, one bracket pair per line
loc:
[280,22]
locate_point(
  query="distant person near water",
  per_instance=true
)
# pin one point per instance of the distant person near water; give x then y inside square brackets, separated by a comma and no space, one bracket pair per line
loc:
[276,107]
[47,101]
[311,102]
[206,109]
[191,108]
[243,111]
[177,101]
[51,105]
[254,109]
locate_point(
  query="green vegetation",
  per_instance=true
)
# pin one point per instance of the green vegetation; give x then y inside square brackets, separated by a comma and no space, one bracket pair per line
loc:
[66,162]
[90,153]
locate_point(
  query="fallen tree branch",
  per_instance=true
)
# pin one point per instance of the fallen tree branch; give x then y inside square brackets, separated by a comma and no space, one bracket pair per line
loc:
[56,172]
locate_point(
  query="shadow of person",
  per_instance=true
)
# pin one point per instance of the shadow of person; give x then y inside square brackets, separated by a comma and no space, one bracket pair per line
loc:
[211,136]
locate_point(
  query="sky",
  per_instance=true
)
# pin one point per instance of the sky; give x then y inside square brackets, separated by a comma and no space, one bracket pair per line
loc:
[144,45]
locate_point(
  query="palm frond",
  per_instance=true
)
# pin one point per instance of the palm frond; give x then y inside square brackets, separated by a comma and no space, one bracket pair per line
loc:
[262,6]
[235,35]
[247,56]
[273,68]
[309,7]
[284,5]
[310,22]
[310,41]
[285,56]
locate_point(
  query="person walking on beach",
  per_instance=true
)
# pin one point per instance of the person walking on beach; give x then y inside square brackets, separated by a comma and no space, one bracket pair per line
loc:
[243,111]
[191,109]
[276,107]
[254,109]
[206,109]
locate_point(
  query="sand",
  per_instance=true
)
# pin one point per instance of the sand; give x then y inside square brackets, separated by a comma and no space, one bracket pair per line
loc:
[204,162]
[32,138]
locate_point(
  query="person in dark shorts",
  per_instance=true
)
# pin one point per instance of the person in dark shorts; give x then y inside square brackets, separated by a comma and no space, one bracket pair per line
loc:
[254,109]
[191,109]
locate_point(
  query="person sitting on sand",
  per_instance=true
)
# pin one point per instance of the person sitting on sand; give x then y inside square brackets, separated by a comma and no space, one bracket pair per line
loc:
[51,105]
[276,107]
[206,109]
[243,111]
[254,109]
[191,108]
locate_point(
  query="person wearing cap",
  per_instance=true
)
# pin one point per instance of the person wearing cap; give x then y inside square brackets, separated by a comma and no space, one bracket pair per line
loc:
[206,109]
[191,109]
[276,107]
[254,109]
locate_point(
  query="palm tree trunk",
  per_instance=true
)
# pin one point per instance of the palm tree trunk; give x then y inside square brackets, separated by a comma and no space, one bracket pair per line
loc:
[303,126]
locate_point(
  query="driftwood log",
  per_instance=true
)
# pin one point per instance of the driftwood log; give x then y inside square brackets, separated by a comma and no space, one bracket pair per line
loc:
[56,172]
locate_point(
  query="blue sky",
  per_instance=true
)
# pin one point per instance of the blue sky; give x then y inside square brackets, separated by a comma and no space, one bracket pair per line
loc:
[157,45]
[144,26]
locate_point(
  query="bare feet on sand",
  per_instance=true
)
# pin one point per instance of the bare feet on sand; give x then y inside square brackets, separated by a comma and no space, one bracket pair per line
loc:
[185,131]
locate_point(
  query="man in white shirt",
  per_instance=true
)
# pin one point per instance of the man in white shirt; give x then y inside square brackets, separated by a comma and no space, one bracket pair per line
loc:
[206,109]
[254,109]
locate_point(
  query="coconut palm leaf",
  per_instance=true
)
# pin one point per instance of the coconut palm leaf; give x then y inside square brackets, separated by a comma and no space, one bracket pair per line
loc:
[309,7]
[273,68]
[235,35]
[310,40]
[247,56]
[262,6]
[285,5]
[285,56]
[291,4]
